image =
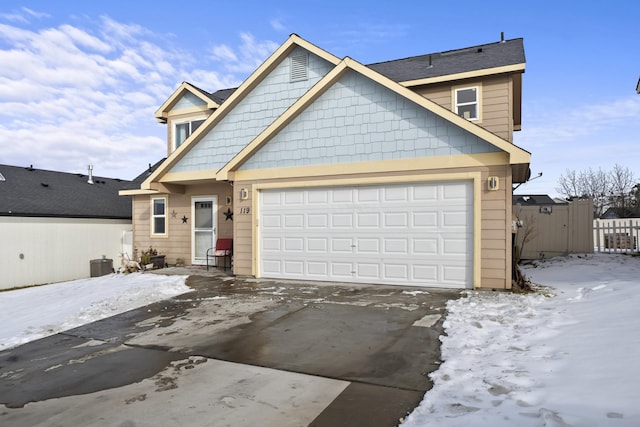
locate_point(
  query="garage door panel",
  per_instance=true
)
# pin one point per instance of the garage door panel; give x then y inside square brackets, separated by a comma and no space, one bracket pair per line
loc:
[396,246]
[425,273]
[425,219]
[271,268]
[318,245]
[318,220]
[318,268]
[368,220]
[367,194]
[341,195]
[293,268]
[342,220]
[293,244]
[410,234]
[293,221]
[271,244]
[368,245]
[396,194]
[342,270]
[366,270]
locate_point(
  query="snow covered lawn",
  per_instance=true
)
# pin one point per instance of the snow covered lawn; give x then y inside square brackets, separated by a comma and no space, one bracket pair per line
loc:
[565,356]
[32,313]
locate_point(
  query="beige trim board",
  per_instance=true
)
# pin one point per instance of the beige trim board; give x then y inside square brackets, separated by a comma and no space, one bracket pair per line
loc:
[162,113]
[475,177]
[187,112]
[138,192]
[188,177]
[516,154]
[381,166]
[466,75]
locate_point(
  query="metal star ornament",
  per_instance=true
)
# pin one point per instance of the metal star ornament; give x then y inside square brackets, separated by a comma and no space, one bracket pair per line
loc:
[184,219]
[228,215]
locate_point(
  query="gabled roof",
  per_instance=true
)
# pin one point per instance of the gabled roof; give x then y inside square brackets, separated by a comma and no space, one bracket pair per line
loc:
[237,95]
[209,99]
[42,193]
[491,58]
[516,154]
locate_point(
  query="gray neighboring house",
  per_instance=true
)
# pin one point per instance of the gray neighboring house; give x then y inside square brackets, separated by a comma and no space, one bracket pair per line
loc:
[53,224]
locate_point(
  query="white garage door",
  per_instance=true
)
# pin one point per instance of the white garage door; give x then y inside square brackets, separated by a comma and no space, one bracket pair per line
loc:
[418,234]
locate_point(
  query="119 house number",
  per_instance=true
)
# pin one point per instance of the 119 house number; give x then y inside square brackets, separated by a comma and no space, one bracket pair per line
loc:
[245,210]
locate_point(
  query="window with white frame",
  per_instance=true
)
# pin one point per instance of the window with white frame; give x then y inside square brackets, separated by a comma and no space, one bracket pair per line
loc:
[159,216]
[182,130]
[467,102]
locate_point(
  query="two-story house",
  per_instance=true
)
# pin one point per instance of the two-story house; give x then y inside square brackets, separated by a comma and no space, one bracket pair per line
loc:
[321,168]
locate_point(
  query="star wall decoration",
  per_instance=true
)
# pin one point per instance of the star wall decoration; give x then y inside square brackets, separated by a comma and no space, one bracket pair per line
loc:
[184,219]
[174,214]
[228,215]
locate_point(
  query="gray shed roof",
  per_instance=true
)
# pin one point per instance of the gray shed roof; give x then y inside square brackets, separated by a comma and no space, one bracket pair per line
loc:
[491,55]
[43,193]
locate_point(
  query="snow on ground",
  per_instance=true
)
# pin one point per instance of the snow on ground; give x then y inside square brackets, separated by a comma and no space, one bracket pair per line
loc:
[563,356]
[566,355]
[31,313]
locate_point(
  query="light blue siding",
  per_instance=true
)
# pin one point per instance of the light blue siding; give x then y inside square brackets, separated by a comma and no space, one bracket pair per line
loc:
[188,100]
[266,102]
[359,120]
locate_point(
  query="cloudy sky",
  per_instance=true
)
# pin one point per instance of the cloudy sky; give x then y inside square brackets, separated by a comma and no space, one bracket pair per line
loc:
[80,80]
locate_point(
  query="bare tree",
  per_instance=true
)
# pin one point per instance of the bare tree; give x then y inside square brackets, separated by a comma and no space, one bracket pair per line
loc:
[596,184]
[608,189]
[622,183]
[569,185]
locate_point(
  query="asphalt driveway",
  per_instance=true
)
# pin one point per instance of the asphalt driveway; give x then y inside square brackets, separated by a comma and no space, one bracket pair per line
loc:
[235,352]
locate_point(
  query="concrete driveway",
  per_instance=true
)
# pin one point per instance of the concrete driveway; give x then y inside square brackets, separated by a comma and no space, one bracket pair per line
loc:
[235,352]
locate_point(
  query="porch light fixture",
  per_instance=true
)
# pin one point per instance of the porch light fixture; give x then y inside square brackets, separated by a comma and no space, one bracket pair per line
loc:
[493,183]
[244,194]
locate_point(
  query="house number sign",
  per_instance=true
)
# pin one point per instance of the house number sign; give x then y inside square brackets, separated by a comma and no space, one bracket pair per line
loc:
[245,210]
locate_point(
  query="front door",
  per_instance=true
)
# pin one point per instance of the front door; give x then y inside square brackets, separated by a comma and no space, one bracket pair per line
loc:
[203,212]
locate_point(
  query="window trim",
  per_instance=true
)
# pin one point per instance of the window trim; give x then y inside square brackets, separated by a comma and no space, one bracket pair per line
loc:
[174,132]
[478,103]
[153,217]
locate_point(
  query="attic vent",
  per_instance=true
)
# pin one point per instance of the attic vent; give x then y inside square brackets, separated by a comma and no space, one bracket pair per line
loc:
[2,177]
[299,67]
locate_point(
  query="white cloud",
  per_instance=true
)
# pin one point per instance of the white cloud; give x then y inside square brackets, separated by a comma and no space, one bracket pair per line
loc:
[277,25]
[247,57]
[86,93]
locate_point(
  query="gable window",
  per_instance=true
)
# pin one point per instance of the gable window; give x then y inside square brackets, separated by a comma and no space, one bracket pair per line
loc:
[184,129]
[159,216]
[299,67]
[466,101]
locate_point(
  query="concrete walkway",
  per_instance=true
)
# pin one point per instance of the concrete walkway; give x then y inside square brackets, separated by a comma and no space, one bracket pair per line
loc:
[235,352]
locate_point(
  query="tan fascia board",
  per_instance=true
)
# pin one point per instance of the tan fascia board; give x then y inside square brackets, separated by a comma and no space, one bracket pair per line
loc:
[466,75]
[162,114]
[380,166]
[516,154]
[251,82]
[137,192]
[188,177]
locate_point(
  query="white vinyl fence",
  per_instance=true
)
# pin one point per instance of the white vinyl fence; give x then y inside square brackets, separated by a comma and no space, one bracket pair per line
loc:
[616,235]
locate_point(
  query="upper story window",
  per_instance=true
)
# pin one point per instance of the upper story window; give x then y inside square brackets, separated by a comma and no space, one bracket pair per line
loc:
[467,102]
[159,216]
[183,130]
